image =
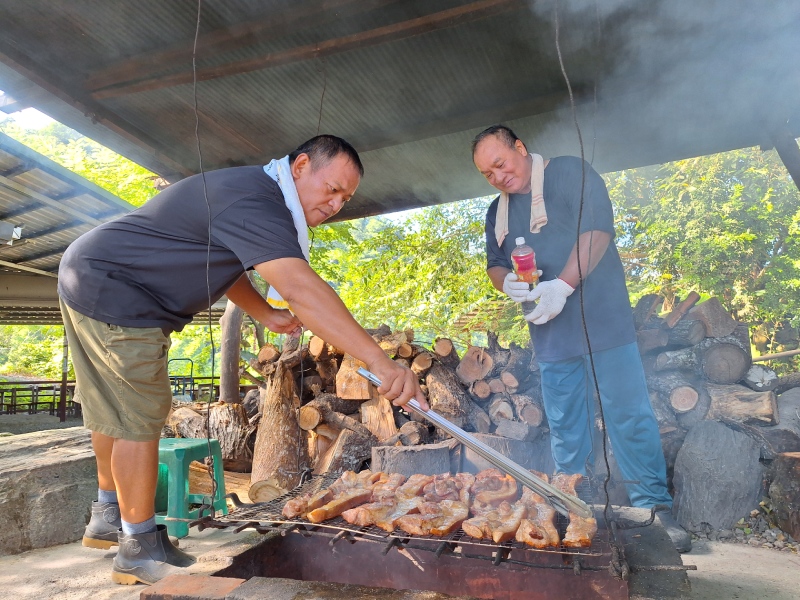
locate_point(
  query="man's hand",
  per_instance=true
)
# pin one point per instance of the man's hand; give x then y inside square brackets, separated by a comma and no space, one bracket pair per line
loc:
[283,321]
[399,384]
[552,296]
[515,289]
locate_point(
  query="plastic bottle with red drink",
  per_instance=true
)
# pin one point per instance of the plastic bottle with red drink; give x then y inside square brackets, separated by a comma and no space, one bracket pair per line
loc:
[524,259]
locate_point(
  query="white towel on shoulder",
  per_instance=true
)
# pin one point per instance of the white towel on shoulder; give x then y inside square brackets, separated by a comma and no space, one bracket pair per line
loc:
[538,212]
[281,172]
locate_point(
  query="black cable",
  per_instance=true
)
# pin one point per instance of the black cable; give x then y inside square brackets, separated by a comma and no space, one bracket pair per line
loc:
[210,458]
[607,479]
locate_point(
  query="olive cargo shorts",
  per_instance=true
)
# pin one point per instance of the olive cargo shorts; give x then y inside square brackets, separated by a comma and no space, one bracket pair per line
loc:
[121,376]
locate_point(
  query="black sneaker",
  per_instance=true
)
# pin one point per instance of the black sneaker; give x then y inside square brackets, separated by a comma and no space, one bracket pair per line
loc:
[101,532]
[681,538]
[147,558]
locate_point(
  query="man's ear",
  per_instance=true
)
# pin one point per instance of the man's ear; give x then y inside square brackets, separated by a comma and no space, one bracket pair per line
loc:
[520,147]
[300,165]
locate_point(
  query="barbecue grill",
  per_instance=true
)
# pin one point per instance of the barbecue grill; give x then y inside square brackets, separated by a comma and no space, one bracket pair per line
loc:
[336,551]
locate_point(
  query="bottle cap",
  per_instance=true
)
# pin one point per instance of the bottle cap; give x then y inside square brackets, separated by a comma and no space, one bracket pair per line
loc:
[520,241]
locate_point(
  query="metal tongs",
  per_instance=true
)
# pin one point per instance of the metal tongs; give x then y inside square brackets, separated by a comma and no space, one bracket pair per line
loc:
[562,502]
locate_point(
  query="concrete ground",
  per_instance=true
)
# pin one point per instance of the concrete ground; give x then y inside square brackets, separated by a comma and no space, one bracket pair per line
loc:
[72,572]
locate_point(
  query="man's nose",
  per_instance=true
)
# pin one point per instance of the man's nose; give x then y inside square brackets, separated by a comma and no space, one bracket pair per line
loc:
[337,203]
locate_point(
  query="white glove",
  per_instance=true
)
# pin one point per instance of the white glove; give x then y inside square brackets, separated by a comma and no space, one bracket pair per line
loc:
[552,296]
[516,290]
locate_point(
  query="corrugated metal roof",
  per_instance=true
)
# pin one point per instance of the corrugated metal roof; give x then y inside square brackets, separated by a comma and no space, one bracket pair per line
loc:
[54,206]
[407,82]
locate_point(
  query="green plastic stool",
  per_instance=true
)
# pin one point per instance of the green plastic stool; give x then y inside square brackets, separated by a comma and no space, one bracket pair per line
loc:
[172,491]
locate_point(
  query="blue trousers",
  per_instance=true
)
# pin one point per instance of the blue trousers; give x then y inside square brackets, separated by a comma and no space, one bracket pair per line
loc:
[568,392]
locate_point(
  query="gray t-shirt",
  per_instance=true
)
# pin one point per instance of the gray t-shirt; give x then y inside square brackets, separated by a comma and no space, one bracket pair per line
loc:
[606,304]
[148,267]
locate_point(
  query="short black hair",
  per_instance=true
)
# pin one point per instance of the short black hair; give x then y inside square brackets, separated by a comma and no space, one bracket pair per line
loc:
[323,148]
[502,132]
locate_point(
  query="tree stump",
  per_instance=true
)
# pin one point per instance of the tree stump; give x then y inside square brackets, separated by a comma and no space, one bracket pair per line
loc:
[281,451]
[785,492]
[230,351]
[229,424]
[187,423]
[714,458]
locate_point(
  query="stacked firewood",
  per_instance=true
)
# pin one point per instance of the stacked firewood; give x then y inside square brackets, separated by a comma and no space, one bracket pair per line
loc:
[720,415]
[316,414]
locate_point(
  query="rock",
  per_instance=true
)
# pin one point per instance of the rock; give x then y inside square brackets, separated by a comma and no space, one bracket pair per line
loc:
[48,480]
[718,476]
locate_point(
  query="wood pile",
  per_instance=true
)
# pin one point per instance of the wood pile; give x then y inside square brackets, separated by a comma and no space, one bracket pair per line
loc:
[316,414]
[700,370]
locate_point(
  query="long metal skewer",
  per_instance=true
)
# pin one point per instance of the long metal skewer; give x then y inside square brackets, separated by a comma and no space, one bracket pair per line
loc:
[563,503]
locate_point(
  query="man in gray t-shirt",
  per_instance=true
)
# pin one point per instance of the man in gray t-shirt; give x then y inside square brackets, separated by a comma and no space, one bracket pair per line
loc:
[574,249]
[127,284]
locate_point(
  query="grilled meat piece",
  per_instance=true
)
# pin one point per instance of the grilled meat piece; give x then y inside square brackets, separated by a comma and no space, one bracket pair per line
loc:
[435,518]
[339,504]
[492,487]
[449,487]
[538,529]
[300,506]
[499,525]
[414,485]
[387,490]
[580,530]
[382,514]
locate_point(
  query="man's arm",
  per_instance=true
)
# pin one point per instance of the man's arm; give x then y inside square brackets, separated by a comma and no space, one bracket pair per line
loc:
[593,245]
[497,276]
[245,296]
[323,312]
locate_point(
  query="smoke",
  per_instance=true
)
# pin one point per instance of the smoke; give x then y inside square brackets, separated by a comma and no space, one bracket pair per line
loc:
[673,78]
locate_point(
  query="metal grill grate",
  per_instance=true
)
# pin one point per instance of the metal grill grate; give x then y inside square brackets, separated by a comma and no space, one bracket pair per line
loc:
[267,516]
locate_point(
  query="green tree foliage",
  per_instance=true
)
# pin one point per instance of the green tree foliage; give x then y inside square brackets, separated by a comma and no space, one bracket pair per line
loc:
[88,159]
[723,225]
[31,351]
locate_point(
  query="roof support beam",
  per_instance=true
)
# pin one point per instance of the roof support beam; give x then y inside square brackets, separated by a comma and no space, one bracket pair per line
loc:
[4,181]
[11,265]
[305,14]
[389,33]
[45,254]
[787,149]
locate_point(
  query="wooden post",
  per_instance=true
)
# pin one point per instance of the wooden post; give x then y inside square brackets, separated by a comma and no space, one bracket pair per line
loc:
[231,323]
[62,400]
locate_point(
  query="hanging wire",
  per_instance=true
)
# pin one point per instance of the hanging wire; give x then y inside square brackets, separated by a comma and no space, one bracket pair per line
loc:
[322,97]
[210,458]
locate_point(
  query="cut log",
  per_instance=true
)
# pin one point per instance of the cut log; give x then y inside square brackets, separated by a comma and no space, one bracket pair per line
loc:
[446,353]
[252,402]
[411,433]
[510,381]
[405,350]
[681,309]
[761,379]
[446,396]
[780,438]
[320,350]
[715,319]
[685,358]
[422,363]
[380,332]
[312,385]
[313,413]
[645,308]
[500,356]
[785,492]
[481,390]
[500,409]
[229,424]
[377,415]
[392,343]
[230,352]
[651,339]
[187,423]
[268,353]
[517,430]
[349,384]
[679,392]
[724,360]
[474,365]
[427,459]
[738,404]
[699,413]
[528,410]
[264,491]
[347,453]
[280,449]
[496,386]
[713,458]
[787,382]
[686,333]
[664,416]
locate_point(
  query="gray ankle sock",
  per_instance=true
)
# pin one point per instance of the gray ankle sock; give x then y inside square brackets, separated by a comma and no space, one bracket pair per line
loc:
[148,526]
[104,496]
